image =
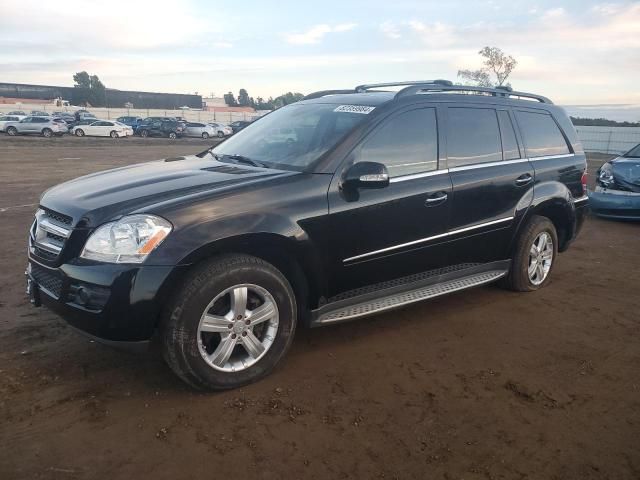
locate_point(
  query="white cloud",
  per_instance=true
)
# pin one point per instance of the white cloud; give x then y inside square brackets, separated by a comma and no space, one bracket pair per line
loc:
[222,45]
[390,30]
[316,33]
[554,13]
[434,34]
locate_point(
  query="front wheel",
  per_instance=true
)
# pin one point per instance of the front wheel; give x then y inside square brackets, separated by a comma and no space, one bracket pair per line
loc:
[144,133]
[114,134]
[172,135]
[47,133]
[13,131]
[535,255]
[205,135]
[230,324]
[220,134]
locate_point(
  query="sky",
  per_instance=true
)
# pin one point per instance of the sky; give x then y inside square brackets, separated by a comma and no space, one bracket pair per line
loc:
[577,52]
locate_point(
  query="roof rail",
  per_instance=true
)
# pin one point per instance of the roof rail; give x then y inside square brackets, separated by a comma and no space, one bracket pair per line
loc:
[501,91]
[365,87]
[323,93]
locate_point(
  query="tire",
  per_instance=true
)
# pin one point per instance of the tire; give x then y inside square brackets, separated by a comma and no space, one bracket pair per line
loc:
[114,134]
[185,346]
[13,131]
[205,135]
[519,278]
[79,132]
[47,132]
[144,133]
[220,134]
[172,135]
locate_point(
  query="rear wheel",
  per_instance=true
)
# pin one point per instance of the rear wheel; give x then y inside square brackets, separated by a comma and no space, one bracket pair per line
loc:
[205,135]
[114,134]
[79,132]
[220,134]
[47,132]
[535,255]
[230,324]
[144,133]
[172,135]
[12,131]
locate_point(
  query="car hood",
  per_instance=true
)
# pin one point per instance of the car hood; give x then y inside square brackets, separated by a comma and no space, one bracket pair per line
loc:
[104,196]
[626,172]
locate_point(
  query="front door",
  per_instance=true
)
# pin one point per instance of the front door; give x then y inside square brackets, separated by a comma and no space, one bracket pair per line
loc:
[492,182]
[391,232]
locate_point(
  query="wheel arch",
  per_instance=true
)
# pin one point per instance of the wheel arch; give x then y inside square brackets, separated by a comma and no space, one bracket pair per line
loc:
[553,200]
[300,268]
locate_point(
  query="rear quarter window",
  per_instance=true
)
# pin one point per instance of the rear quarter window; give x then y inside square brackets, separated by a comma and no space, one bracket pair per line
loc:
[541,134]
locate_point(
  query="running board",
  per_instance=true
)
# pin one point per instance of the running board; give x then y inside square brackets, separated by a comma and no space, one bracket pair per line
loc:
[413,293]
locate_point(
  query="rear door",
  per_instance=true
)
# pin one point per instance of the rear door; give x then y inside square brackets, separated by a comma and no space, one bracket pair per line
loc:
[492,181]
[387,233]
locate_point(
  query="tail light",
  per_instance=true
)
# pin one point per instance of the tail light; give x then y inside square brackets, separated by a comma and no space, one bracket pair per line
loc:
[583,180]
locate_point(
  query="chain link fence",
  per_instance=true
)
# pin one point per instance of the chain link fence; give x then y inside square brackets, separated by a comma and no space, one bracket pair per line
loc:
[608,139]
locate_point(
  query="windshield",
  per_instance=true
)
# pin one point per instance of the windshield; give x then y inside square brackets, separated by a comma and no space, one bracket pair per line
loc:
[634,152]
[292,137]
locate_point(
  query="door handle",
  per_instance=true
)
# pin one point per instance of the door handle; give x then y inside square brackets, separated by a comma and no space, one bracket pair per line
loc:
[436,199]
[524,179]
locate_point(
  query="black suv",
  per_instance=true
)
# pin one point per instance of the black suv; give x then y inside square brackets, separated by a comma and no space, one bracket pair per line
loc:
[239,125]
[370,201]
[160,128]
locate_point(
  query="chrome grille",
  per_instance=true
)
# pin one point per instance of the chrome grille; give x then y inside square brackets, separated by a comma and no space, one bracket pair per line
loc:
[48,234]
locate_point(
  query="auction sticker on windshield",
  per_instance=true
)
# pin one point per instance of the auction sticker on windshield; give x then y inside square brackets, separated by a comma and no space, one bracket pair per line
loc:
[354,109]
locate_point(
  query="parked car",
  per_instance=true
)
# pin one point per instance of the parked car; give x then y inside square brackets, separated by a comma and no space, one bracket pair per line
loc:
[38,113]
[102,128]
[17,112]
[133,122]
[238,125]
[66,116]
[281,135]
[194,129]
[161,128]
[7,119]
[384,199]
[83,115]
[45,126]
[617,192]
[221,130]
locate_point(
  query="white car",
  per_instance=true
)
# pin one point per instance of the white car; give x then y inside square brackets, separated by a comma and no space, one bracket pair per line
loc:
[4,119]
[221,130]
[102,128]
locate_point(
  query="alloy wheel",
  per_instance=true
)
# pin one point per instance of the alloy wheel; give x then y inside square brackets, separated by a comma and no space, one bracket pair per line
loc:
[540,258]
[238,327]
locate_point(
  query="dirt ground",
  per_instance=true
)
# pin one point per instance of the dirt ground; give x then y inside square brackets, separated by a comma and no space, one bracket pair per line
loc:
[483,384]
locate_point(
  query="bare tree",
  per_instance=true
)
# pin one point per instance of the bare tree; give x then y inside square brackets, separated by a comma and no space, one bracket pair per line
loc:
[497,68]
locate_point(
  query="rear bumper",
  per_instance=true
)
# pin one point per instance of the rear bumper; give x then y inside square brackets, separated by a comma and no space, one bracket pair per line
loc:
[113,303]
[615,204]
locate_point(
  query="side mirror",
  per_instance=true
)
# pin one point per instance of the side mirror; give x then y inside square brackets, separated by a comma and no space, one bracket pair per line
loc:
[366,175]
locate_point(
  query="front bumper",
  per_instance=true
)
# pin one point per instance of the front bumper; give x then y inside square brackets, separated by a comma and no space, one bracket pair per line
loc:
[116,303]
[615,204]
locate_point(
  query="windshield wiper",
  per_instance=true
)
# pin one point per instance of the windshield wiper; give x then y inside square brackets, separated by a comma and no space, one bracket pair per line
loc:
[246,160]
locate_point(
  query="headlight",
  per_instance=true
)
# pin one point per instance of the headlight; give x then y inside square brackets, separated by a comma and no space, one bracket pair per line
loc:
[605,176]
[129,240]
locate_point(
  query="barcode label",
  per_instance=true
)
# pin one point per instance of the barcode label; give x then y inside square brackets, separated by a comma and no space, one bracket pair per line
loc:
[354,109]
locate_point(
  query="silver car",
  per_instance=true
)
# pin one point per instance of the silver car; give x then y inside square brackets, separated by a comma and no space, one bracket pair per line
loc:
[47,127]
[9,119]
[193,129]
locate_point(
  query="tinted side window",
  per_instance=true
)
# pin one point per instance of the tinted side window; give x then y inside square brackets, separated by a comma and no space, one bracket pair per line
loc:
[472,136]
[509,143]
[406,143]
[541,134]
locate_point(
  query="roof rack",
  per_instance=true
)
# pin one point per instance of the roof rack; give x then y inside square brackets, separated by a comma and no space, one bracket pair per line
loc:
[364,88]
[500,91]
[435,86]
[323,93]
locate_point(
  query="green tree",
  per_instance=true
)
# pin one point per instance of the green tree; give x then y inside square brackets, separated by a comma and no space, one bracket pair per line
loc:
[89,90]
[497,66]
[243,98]
[230,100]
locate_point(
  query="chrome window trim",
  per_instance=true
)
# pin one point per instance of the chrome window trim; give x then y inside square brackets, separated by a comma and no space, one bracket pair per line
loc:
[413,176]
[434,237]
[431,173]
